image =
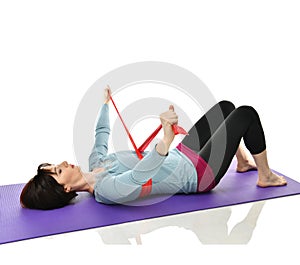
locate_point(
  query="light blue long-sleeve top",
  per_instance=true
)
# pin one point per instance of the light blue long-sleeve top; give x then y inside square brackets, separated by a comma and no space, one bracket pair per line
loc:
[124,173]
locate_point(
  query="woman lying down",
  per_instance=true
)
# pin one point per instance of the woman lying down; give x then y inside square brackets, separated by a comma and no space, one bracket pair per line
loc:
[191,167]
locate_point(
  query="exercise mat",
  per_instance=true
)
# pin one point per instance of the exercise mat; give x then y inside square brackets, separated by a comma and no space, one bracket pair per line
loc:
[17,223]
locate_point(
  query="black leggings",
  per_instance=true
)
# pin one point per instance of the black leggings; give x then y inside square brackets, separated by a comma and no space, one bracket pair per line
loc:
[217,135]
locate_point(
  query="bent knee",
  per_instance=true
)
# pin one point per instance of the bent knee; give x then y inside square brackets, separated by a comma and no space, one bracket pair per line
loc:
[226,103]
[248,110]
[226,106]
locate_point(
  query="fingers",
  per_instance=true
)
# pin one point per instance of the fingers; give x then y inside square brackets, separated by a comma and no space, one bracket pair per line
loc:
[107,93]
[107,90]
[169,117]
[173,115]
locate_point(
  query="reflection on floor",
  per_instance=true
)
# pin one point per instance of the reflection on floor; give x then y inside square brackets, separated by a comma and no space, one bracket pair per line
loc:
[210,227]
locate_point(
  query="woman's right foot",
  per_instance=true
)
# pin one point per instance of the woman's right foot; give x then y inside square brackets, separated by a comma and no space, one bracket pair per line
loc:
[272,180]
[245,165]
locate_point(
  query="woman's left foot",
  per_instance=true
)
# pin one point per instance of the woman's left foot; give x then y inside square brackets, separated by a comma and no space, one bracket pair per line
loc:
[245,166]
[271,180]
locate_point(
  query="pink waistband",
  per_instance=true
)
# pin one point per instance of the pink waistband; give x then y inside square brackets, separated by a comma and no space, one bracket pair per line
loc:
[206,178]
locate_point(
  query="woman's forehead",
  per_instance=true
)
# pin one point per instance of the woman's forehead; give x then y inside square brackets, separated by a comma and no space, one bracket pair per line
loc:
[50,168]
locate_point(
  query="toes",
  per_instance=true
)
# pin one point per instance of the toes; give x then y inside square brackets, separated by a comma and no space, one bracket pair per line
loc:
[283,180]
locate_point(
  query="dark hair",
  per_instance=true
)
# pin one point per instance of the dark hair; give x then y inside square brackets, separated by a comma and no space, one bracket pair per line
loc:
[44,192]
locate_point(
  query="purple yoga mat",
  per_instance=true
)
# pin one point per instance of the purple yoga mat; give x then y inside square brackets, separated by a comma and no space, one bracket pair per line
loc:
[17,223]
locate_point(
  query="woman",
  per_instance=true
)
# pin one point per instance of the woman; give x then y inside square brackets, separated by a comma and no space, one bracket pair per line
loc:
[197,164]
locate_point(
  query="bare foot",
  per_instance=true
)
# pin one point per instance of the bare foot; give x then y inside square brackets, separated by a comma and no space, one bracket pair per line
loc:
[245,166]
[273,180]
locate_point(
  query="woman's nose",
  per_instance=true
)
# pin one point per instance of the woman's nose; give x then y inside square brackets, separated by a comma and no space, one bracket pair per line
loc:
[65,164]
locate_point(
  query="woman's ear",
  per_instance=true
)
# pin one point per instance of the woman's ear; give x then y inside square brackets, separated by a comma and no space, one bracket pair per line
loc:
[67,188]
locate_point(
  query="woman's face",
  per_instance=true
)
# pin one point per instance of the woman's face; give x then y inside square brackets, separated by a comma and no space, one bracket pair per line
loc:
[64,173]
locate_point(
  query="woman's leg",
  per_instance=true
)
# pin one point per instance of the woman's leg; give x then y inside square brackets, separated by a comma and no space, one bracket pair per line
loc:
[266,177]
[244,163]
[206,126]
[224,143]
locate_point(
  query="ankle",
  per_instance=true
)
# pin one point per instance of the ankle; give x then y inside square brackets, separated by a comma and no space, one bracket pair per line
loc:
[264,174]
[242,161]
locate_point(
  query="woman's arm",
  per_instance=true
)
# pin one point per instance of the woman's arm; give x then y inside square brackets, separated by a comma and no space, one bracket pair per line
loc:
[127,186]
[102,132]
[167,119]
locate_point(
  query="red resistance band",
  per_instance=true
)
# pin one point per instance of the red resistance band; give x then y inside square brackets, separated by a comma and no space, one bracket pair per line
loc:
[147,187]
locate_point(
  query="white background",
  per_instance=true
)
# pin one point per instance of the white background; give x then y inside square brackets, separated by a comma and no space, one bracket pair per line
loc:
[51,52]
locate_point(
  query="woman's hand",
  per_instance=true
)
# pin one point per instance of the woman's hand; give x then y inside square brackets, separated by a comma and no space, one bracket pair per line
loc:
[167,119]
[107,93]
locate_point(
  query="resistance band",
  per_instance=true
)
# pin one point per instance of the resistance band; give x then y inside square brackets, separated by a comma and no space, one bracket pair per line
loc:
[146,188]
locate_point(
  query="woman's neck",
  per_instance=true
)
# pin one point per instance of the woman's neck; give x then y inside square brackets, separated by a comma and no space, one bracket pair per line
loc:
[90,180]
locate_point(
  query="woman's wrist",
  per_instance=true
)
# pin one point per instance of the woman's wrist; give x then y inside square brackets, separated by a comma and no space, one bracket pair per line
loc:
[163,147]
[167,141]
